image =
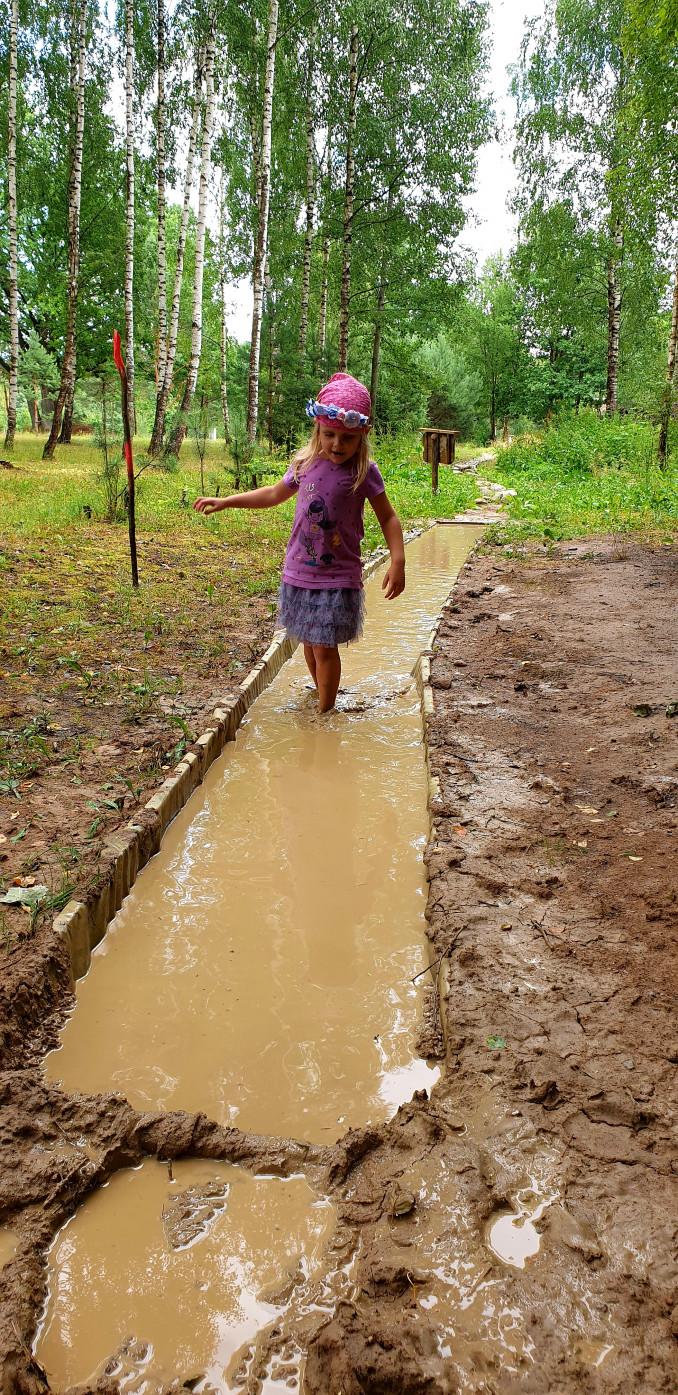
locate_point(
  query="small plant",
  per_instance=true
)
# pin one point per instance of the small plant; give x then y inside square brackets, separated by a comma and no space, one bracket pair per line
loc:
[241,449]
[200,421]
[108,441]
[185,739]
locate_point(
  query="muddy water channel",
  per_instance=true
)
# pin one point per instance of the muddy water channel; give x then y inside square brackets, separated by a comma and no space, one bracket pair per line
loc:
[260,970]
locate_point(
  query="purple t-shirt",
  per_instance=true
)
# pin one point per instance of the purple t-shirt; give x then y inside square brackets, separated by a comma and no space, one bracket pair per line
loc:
[324,546]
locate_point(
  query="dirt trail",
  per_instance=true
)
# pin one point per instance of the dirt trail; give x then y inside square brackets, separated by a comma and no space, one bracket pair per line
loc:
[553,911]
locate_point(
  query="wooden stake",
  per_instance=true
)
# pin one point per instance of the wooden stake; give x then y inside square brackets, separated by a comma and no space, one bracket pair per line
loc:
[435,461]
[120,365]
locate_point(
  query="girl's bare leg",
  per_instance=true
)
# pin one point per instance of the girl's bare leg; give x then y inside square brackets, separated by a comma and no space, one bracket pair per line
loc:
[328,674]
[310,662]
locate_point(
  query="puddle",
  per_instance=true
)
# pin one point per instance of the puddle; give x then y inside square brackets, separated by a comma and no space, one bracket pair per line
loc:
[9,1243]
[260,968]
[181,1275]
[513,1236]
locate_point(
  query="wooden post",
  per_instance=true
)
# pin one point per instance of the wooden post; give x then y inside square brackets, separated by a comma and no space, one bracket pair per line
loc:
[120,365]
[435,461]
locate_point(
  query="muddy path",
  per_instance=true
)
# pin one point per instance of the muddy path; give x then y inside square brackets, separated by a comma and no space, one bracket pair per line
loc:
[514,1231]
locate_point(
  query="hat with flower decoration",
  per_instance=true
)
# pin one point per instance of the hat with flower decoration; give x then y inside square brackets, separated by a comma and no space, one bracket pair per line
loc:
[344,400]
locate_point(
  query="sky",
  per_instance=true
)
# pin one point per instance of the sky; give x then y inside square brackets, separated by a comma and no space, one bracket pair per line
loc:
[491,227]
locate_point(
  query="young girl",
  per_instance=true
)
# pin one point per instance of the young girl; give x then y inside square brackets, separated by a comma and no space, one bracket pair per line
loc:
[321,598]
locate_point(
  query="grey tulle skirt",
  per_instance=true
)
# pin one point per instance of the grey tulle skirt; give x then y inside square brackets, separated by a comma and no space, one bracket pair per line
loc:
[326,616]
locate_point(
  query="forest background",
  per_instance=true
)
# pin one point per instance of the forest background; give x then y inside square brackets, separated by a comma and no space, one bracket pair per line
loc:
[156,156]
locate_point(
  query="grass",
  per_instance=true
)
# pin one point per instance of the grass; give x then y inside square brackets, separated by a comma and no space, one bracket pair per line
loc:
[44,496]
[584,477]
[75,635]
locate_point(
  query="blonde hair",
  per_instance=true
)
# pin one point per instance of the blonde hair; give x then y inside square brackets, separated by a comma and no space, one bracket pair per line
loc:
[312,451]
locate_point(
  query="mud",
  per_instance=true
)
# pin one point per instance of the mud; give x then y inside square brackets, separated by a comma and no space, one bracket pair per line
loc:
[277,932]
[552,914]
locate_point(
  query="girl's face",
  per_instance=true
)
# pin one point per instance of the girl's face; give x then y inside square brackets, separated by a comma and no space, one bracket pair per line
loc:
[337,444]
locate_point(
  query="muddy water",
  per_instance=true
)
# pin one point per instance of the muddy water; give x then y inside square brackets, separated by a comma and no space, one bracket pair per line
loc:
[260,970]
[155,1279]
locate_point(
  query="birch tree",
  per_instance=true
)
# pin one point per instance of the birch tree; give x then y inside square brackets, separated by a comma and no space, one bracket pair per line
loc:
[160,118]
[578,143]
[165,381]
[260,250]
[176,440]
[13,267]
[77,94]
[129,208]
[310,192]
[223,336]
[349,197]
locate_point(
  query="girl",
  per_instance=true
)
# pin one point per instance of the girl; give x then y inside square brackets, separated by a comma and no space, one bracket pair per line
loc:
[321,598]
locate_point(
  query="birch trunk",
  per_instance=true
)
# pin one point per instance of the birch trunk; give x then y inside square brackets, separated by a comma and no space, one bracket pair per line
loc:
[175,442]
[260,251]
[667,404]
[68,367]
[613,314]
[13,296]
[67,416]
[349,197]
[381,304]
[310,196]
[322,311]
[129,212]
[162,181]
[165,383]
[223,341]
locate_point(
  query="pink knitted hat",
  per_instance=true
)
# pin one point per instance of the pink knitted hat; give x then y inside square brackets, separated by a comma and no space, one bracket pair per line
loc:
[345,400]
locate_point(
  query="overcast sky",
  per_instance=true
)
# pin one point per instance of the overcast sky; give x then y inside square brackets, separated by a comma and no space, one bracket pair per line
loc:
[494,228]
[491,228]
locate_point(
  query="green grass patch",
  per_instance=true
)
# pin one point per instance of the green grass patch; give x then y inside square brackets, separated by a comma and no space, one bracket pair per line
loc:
[587,476]
[61,499]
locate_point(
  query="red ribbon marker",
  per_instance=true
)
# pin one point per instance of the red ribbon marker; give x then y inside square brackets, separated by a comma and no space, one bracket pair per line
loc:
[120,365]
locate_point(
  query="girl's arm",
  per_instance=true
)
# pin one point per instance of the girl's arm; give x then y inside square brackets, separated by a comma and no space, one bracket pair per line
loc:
[394,580]
[265,498]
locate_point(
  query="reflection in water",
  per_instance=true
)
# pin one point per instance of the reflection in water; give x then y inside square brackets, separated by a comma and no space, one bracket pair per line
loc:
[170,1309]
[260,969]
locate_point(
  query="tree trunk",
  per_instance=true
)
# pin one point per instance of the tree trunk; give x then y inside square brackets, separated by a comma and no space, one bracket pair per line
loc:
[177,437]
[67,418]
[165,384]
[13,269]
[129,210]
[223,339]
[667,404]
[322,313]
[348,202]
[614,262]
[310,196]
[259,266]
[68,367]
[381,303]
[162,221]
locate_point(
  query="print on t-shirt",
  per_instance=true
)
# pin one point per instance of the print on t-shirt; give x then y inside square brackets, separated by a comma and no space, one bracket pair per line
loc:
[320,535]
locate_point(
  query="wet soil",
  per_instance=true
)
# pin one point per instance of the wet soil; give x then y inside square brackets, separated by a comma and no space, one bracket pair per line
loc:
[552,916]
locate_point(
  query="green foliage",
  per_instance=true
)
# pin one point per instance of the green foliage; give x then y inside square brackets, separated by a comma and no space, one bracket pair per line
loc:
[454,390]
[582,443]
[587,475]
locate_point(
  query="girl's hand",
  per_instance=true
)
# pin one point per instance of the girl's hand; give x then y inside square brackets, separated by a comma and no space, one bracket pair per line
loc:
[394,581]
[210,505]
